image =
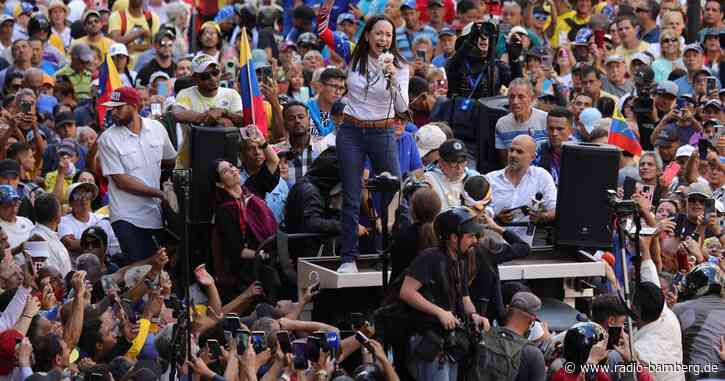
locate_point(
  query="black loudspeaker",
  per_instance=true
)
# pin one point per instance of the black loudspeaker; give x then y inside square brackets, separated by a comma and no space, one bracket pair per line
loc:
[582,211]
[494,108]
[207,145]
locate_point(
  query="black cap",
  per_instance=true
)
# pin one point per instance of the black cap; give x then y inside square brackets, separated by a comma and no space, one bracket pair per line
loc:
[97,233]
[303,12]
[64,117]
[9,168]
[648,301]
[453,150]
[435,3]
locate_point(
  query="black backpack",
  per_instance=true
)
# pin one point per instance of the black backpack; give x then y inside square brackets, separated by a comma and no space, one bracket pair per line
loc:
[497,356]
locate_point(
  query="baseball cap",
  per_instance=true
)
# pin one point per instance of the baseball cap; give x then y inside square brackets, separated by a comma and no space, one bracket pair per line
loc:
[453,150]
[88,187]
[58,4]
[685,150]
[89,13]
[9,168]
[346,16]
[63,118]
[526,301]
[164,32]
[67,146]
[48,80]
[124,96]
[667,135]
[4,18]
[82,51]
[284,45]
[700,72]
[97,233]
[713,103]
[583,36]
[695,47]
[118,49]
[210,24]
[446,31]
[642,57]
[408,4]
[7,346]
[200,63]
[517,29]
[699,189]
[24,8]
[435,3]
[157,75]
[429,138]
[713,122]
[536,51]
[8,194]
[667,87]
[589,116]
[611,59]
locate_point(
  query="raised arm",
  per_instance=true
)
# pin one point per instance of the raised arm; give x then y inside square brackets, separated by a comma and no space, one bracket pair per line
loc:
[335,41]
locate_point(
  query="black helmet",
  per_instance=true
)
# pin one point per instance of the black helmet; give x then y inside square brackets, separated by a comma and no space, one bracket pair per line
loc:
[702,280]
[368,372]
[580,339]
[458,220]
[37,24]
[307,38]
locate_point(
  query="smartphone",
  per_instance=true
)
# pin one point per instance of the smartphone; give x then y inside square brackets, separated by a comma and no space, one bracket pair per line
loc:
[258,341]
[214,347]
[709,206]
[547,61]
[299,351]
[225,84]
[322,339]
[702,148]
[681,103]
[629,185]
[670,172]
[363,340]
[230,67]
[333,343]
[228,337]
[285,344]
[25,107]
[156,109]
[599,38]
[96,377]
[711,85]
[242,337]
[162,88]
[420,55]
[232,323]
[615,334]
[313,348]
[265,74]
[250,132]
[680,225]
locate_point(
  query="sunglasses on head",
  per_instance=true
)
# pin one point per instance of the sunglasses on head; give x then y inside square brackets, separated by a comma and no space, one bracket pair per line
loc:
[209,74]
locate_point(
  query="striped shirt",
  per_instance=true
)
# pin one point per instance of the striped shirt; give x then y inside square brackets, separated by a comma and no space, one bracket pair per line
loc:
[404,40]
[507,128]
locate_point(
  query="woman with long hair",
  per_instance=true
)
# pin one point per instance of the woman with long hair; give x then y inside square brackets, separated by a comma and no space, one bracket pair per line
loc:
[670,55]
[119,55]
[410,240]
[564,64]
[377,83]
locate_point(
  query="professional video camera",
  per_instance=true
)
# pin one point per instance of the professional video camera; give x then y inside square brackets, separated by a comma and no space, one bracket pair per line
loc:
[644,85]
[620,207]
[384,182]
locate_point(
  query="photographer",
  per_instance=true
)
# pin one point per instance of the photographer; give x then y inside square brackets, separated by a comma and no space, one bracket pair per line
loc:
[683,119]
[467,69]
[440,274]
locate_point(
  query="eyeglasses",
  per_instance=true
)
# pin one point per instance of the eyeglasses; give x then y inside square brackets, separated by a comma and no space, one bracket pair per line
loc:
[641,10]
[91,244]
[335,87]
[207,75]
[669,41]
[699,200]
[541,16]
[458,163]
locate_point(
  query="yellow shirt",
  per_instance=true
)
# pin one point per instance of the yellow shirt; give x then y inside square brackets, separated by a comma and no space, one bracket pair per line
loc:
[628,53]
[51,178]
[57,42]
[562,26]
[114,24]
[104,44]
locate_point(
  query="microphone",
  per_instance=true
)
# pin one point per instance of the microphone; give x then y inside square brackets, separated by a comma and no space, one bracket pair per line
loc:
[383,60]
[536,206]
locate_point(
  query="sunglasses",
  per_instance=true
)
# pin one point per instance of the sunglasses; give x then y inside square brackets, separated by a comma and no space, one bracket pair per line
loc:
[207,75]
[541,16]
[669,41]
[642,10]
[85,196]
[91,244]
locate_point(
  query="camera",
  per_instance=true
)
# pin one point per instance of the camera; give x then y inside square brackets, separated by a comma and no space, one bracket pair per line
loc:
[383,183]
[620,207]
[644,85]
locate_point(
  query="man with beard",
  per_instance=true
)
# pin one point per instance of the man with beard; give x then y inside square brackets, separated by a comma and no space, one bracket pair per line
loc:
[300,153]
[131,155]
[518,184]
[93,27]
[163,45]
[205,103]
[450,173]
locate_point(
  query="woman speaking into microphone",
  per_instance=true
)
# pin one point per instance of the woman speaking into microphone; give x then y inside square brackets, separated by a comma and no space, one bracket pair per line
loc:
[377,90]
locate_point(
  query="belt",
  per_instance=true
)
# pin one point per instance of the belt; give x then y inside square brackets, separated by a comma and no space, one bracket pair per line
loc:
[380,123]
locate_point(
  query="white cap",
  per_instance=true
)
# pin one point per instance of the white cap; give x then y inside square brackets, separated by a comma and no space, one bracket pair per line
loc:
[429,138]
[201,62]
[643,57]
[517,29]
[589,117]
[685,150]
[117,49]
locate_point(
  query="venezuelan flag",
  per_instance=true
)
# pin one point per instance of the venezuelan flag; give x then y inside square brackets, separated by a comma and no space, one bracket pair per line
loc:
[622,136]
[108,80]
[252,99]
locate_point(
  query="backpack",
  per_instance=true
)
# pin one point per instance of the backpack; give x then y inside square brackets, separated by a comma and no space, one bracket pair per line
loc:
[497,356]
[146,14]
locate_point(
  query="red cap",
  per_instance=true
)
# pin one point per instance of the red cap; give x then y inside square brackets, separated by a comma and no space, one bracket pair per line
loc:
[7,350]
[124,96]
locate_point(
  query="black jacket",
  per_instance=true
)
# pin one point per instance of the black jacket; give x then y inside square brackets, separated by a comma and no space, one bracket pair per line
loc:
[464,66]
[486,286]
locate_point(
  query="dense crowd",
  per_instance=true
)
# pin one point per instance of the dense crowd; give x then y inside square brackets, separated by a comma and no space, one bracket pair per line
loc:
[361,124]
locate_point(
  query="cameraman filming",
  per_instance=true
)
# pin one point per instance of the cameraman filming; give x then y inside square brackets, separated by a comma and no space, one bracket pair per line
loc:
[643,105]
[436,284]
[467,69]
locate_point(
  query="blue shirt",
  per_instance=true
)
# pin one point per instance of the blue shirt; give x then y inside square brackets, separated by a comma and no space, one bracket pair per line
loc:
[653,36]
[404,40]
[440,60]
[684,86]
[276,199]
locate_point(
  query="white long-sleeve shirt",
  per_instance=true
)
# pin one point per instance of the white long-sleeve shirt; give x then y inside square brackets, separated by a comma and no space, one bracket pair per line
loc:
[12,312]
[368,97]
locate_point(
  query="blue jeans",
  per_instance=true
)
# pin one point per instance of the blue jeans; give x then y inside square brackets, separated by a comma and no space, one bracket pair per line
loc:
[354,144]
[435,370]
[137,243]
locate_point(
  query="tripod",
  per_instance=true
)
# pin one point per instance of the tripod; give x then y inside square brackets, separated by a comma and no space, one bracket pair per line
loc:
[386,186]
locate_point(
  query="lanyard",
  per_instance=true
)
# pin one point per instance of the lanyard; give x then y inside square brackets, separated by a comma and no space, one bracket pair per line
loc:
[474,84]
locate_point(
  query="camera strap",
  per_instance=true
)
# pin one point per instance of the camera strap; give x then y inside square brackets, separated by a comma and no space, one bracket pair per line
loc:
[472,83]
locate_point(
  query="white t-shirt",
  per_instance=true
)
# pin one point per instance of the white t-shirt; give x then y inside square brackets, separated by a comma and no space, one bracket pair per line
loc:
[69,225]
[17,232]
[137,155]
